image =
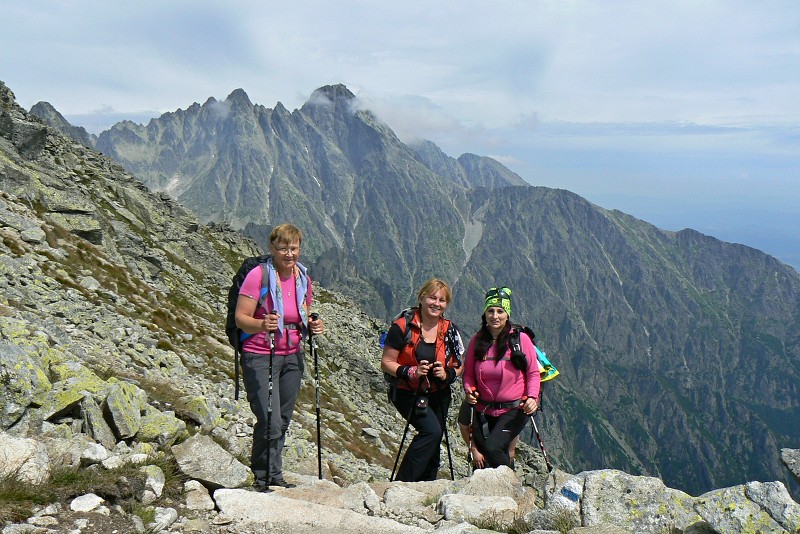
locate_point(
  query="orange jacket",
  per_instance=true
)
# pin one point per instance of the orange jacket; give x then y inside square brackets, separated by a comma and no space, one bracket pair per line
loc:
[407,357]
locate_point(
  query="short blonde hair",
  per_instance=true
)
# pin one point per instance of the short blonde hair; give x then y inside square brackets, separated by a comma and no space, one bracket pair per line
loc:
[285,233]
[430,288]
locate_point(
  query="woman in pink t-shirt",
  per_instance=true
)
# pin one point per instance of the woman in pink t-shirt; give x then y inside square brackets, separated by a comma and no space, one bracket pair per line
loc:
[284,313]
[502,386]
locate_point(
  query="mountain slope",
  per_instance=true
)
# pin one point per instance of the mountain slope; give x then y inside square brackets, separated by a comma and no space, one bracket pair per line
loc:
[678,352]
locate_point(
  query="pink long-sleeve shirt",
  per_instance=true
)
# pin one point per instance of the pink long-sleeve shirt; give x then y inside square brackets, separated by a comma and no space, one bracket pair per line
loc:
[500,381]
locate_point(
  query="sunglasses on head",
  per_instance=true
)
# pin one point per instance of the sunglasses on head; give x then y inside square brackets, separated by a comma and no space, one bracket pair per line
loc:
[502,292]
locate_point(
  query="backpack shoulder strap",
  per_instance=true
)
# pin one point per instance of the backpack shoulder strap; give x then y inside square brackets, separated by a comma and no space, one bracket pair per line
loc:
[262,297]
[407,315]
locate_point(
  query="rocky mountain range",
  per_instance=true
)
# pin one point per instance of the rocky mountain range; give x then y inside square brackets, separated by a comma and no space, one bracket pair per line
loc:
[113,355]
[679,353]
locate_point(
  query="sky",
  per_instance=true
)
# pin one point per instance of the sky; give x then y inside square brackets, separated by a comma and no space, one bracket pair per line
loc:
[681,113]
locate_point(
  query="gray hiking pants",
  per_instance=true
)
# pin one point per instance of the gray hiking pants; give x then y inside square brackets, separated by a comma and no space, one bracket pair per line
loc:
[287,374]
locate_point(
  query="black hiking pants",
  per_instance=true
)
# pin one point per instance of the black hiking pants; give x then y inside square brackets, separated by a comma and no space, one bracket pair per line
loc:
[287,374]
[499,431]
[421,461]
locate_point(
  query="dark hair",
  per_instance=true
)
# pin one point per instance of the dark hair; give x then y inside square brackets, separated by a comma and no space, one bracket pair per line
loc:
[484,340]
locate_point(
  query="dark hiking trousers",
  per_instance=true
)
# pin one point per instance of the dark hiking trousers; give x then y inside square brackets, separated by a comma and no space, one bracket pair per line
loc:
[287,374]
[501,430]
[421,461]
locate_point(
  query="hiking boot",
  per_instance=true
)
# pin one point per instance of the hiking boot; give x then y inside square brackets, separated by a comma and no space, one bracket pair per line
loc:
[281,483]
[261,486]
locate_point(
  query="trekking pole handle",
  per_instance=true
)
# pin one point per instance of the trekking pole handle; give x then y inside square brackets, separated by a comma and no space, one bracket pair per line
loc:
[522,403]
[314,316]
[272,332]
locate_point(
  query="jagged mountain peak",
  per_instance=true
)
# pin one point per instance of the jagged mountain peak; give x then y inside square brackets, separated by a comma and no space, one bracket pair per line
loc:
[238,97]
[334,93]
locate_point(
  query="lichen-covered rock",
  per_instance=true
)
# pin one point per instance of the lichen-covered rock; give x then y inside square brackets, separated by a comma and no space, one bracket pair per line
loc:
[60,400]
[125,403]
[95,424]
[198,409]
[77,376]
[23,383]
[162,428]
[728,510]
[776,501]
[640,504]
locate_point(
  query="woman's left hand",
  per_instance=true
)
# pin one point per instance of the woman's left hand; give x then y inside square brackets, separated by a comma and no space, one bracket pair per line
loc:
[529,406]
[439,371]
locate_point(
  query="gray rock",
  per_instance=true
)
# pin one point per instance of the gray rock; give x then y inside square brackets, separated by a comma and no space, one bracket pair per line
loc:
[728,510]
[474,509]
[33,235]
[197,496]
[497,482]
[775,500]
[94,454]
[791,457]
[95,424]
[270,512]
[24,459]
[162,428]
[24,382]
[640,504]
[164,518]
[201,458]
[86,503]
[155,479]
[125,408]
[201,411]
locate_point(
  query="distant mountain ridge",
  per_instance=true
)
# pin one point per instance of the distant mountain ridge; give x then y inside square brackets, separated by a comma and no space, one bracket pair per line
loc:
[679,353]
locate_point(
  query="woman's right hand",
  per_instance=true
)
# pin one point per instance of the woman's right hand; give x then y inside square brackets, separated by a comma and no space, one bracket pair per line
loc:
[472,396]
[270,322]
[423,369]
[478,461]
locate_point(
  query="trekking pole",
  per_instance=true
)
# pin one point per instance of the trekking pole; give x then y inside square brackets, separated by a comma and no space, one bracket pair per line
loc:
[313,347]
[539,439]
[470,458]
[469,443]
[541,445]
[447,441]
[403,440]
[269,398]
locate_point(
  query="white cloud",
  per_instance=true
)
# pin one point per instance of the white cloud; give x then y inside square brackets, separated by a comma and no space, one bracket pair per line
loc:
[563,90]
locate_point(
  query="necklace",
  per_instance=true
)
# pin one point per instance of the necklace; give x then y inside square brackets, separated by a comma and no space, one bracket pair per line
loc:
[432,329]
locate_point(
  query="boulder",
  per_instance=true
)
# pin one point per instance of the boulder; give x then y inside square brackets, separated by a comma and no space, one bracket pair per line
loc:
[201,458]
[271,512]
[791,457]
[24,383]
[124,404]
[162,428]
[729,510]
[640,504]
[23,459]
[476,509]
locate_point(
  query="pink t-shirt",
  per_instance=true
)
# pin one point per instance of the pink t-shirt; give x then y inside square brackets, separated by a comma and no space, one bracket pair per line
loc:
[289,342]
[500,381]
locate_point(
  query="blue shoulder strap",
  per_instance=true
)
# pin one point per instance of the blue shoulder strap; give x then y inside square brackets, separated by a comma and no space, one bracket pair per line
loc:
[262,299]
